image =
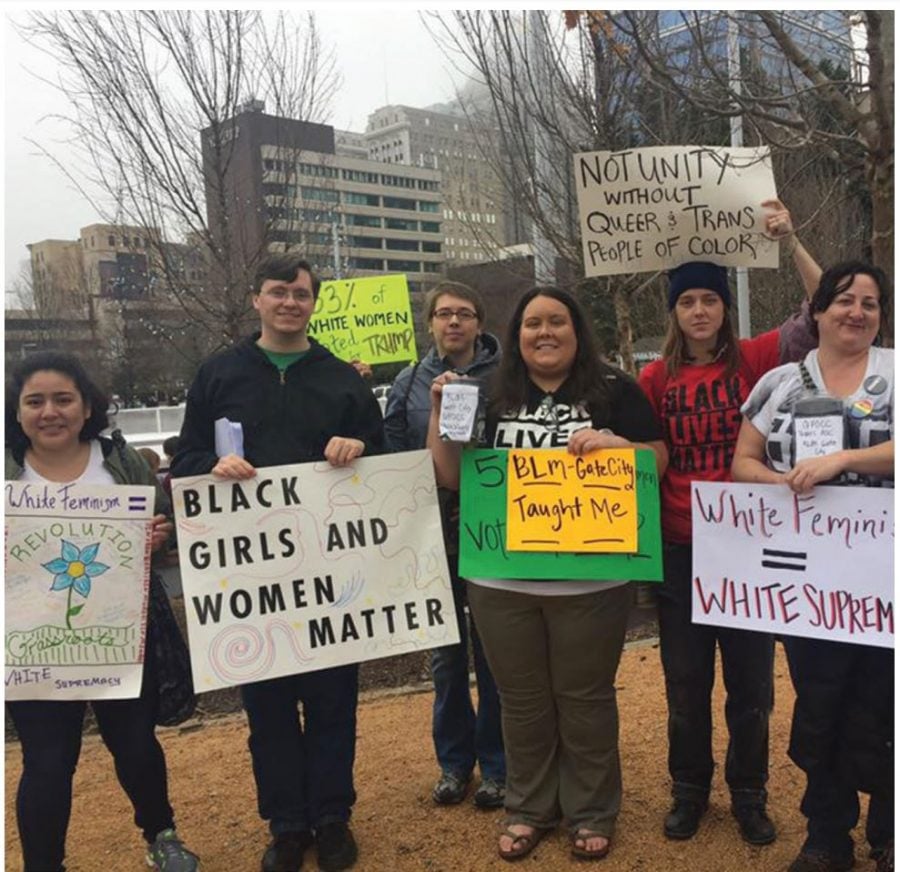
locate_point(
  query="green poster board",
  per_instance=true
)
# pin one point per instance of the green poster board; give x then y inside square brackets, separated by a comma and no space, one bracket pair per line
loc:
[482,529]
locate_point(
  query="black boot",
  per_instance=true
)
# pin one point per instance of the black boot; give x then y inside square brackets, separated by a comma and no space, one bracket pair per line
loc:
[684,818]
[756,826]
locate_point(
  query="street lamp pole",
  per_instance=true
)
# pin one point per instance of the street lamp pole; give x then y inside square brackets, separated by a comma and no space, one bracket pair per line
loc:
[737,141]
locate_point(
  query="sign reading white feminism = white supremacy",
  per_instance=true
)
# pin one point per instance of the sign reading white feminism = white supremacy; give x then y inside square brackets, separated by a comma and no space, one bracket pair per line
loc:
[307,566]
[77,564]
[649,209]
[819,565]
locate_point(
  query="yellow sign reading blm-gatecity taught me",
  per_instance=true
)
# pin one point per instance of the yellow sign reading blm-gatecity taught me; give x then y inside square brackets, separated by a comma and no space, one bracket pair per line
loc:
[366,319]
[559,502]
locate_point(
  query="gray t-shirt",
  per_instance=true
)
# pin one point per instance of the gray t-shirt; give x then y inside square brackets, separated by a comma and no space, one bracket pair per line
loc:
[868,411]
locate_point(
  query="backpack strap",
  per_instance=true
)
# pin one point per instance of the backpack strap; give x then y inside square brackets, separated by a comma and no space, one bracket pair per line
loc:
[807,378]
[409,386]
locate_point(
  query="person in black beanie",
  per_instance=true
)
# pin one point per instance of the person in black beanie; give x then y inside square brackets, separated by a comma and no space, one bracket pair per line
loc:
[697,389]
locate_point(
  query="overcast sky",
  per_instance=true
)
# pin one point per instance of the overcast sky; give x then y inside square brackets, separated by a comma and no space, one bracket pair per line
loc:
[385,56]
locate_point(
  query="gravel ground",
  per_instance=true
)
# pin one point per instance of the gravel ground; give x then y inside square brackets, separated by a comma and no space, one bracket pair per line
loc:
[395,822]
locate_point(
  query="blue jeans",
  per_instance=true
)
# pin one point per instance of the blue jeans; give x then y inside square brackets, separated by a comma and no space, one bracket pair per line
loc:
[50,733]
[303,772]
[462,737]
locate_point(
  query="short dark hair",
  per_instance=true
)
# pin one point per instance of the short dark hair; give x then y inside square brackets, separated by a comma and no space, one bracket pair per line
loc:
[454,289]
[836,279]
[170,446]
[65,364]
[586,378]
[283,268]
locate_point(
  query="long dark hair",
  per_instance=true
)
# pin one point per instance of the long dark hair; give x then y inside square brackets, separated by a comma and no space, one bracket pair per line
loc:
[836,279]
[65,364]
[586,379]
[675,347]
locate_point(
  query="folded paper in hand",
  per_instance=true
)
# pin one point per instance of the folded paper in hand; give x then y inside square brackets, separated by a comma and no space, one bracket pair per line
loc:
[229,438]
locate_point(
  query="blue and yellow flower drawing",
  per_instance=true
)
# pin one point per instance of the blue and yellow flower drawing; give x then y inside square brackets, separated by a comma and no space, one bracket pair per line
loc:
[74,571]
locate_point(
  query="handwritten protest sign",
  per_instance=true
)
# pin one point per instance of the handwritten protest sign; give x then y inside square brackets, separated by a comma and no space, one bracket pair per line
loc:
[647,209]
[459,410]
[77,563]
[366,319]
[483,521]
[818,565]
[308,566]
[559,502]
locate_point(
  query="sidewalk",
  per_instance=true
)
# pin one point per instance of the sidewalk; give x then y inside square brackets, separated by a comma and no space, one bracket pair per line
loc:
[397,825]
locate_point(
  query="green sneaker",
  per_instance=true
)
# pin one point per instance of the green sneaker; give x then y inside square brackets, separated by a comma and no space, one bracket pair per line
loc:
[167,853]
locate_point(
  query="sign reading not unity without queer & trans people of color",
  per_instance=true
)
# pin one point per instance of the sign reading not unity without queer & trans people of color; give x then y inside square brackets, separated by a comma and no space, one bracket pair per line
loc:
[559,502]
[819,565]
[77,562]
[648,209]
[308,566]
[366,319]
[485,506]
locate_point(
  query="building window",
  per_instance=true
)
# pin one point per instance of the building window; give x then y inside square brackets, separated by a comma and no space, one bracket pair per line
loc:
[361,199]
[323,194]
[402,244]
[401,224]
[365,263]
[433,247]
[430,227]
[399,203]
[404,265]
[427,206]
[365,242]
[363,220]
[112,241]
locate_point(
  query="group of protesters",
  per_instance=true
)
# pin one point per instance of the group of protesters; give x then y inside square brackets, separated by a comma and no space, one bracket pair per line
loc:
[543,732]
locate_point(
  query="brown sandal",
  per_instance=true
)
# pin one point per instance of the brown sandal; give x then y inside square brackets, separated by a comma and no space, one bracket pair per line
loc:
[523,843]
[584,853]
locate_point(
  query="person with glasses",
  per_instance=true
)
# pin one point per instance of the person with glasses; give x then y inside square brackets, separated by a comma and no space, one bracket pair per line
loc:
[462,736]
[696,390]
[290,400]
[554,646]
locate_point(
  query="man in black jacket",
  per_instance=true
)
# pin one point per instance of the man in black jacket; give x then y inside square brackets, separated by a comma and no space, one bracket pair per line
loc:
[289,400]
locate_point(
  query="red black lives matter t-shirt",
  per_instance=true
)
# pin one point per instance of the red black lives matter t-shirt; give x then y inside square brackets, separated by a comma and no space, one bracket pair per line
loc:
[700,413]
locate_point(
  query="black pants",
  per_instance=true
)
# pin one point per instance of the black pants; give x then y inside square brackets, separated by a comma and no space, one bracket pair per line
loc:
[689,659]
[50,733]
[303,769]
[842,738]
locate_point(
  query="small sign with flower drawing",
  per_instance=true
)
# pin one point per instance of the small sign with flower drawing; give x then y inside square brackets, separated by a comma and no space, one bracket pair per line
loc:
[77,563]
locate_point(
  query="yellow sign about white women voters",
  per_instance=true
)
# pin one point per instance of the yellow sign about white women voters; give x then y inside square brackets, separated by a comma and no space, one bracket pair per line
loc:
[366,319]
[559,502]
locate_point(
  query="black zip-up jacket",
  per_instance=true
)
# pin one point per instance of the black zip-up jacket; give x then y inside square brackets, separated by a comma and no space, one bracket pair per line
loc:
[285,418]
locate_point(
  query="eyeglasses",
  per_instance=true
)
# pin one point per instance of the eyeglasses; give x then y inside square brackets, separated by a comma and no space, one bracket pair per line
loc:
[280,295]
[459,314]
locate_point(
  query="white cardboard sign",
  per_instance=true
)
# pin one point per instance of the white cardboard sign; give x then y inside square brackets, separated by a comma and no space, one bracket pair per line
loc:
[77,561]
[649,209]
[307,566]
[819,565]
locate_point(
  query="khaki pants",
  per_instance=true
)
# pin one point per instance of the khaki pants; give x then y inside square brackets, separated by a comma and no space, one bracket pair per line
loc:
[554,659]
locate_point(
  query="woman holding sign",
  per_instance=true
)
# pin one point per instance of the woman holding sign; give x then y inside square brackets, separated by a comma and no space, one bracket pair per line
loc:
[554,646]
[54,417]
[843,724]
[696,390]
